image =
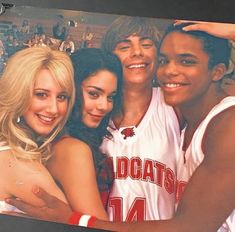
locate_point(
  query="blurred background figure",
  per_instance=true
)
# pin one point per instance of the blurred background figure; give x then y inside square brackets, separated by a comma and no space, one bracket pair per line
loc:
[67,45]
[25,28]
[38,30]
[87,36]
[59,30]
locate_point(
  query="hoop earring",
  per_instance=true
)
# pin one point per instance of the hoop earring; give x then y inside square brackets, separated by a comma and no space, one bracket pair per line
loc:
[18,119]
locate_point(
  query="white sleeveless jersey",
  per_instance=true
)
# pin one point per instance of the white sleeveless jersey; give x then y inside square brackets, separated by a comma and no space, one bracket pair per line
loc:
[194,156]
[144,159]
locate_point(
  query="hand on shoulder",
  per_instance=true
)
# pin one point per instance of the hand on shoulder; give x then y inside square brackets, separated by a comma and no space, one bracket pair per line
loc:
[222,30]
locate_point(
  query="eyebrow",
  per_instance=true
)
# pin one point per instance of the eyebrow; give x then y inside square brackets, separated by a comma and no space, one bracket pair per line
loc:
[99,89]
[94,87]
[123,41]
[185,55]
[47,90]
[182,55]
[146,37]
[129,41]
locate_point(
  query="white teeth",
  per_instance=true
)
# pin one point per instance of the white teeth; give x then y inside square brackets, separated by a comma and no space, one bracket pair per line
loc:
[137,66]
[172,85]
[47,119]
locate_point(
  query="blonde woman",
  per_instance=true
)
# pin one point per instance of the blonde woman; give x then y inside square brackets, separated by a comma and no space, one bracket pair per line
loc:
[37,95]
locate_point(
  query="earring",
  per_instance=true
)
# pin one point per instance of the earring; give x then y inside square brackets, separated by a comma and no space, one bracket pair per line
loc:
[18,119]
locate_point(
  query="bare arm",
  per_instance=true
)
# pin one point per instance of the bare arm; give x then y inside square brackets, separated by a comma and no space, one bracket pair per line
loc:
[73,167]
[211,189]
[209,197]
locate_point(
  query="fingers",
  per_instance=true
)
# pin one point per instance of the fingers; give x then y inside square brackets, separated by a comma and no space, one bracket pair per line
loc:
[26,208]
[45,196]
[179,21]
[19,204]
[18,214]
[196,26]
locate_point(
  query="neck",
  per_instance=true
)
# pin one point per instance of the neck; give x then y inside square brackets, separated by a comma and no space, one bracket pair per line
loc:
[135,105]
[198,109]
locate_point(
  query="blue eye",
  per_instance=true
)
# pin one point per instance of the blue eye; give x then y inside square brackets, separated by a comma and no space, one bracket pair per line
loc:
[40,94]
[63,97]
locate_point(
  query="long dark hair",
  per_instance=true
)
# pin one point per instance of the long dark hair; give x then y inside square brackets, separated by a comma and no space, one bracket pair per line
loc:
[86,62]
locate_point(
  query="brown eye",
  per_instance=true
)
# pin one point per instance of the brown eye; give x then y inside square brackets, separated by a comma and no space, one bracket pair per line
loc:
[93,94]
[111,98]
[162,61]
[188,62]
[147,43]
[123,46]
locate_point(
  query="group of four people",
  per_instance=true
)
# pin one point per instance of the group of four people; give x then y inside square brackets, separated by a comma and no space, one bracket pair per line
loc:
[143,136]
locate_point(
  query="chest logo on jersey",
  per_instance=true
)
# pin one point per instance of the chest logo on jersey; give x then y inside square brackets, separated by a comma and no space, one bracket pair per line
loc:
[128,132]
[146,170]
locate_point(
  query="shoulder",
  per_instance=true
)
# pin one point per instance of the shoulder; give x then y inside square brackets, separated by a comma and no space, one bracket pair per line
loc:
[69,155]
[219,135]
[69,144]
[223,120]
[70,149]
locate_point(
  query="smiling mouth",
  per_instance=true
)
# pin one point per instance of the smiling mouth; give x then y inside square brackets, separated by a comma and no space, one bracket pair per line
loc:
[46,119]
[97,116]
[135,66]
[172,85]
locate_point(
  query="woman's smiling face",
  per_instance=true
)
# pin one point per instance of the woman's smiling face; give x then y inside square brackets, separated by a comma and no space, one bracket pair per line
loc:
[98,93]
[48,105]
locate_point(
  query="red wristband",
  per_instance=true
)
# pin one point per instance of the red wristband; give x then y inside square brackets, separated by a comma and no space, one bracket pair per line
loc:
[74,218]
[91,222]
[82,220]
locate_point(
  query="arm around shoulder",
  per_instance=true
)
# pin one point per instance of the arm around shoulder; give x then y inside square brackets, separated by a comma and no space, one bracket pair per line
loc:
[209,196]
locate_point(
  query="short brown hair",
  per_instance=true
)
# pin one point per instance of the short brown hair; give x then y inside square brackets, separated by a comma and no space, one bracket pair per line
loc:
[125,26]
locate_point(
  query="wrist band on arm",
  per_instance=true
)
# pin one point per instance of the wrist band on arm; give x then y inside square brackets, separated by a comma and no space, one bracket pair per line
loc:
[82,220]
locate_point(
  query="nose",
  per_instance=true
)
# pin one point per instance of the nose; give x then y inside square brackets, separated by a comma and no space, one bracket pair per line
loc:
[52,106]
[103,104]
[137,50]
[171,69]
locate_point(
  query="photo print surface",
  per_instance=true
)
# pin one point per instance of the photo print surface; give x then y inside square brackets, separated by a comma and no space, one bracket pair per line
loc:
[102,117]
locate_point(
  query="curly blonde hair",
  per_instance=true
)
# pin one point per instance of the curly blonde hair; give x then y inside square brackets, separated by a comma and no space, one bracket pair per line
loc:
[16,84]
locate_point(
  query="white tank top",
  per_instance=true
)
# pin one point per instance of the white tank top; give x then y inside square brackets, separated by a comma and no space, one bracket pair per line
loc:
[144,159]
[194,155]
